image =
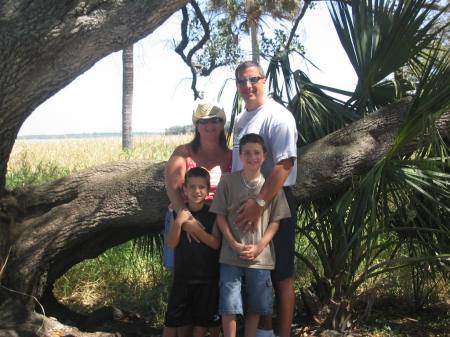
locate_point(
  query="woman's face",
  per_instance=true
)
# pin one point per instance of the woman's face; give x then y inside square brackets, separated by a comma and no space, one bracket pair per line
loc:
[210,128]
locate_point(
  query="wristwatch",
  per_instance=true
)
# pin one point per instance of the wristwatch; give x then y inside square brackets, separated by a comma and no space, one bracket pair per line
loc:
[261,202]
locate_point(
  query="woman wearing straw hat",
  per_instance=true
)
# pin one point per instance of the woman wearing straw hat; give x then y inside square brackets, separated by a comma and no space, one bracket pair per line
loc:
[209,150]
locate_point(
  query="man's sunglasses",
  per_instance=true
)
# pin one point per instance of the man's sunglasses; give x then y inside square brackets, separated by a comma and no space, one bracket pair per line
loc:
[213,120]
[252,80]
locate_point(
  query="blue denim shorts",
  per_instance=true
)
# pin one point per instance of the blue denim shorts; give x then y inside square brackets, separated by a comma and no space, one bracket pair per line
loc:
[258,293]
[168,253]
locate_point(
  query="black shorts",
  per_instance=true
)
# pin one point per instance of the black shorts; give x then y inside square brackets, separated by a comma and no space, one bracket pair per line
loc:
[193,304]
[284,242]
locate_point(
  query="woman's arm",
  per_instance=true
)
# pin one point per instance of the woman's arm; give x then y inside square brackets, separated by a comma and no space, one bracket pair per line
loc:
[174,177]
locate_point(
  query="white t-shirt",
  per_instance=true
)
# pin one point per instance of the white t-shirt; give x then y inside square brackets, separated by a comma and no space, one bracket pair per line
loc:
[276,125]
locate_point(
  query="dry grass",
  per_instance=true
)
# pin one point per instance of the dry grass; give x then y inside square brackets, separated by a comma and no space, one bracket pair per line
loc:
[77,154]
[34,162]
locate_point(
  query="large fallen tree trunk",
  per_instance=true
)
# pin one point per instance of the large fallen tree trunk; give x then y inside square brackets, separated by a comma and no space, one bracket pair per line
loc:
[52,227]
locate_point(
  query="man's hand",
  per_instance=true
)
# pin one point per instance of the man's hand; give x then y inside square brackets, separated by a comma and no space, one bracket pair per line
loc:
[250,252]
[249,215]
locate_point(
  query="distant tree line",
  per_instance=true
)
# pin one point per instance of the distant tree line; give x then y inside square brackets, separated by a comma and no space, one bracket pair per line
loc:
[181,130]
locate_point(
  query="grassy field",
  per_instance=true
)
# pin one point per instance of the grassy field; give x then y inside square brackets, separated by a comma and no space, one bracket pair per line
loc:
[38,161]
[135,283]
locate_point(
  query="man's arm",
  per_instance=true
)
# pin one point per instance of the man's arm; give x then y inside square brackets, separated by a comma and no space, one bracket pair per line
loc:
[250,211]
[174,172]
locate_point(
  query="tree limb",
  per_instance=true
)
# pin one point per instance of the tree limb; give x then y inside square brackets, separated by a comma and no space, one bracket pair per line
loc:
[185,41]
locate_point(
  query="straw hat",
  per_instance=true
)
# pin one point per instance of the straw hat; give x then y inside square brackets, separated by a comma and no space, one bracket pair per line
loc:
[207,110]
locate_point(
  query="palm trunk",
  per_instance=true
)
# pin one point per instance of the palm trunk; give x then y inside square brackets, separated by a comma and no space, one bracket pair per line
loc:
[253,20]
[127,97]
[255,43]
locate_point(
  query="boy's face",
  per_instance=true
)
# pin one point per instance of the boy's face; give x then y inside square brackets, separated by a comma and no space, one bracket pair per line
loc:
[196,190]
[252,156]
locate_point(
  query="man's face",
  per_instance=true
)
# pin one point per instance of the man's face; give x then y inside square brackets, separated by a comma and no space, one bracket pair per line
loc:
[252,93]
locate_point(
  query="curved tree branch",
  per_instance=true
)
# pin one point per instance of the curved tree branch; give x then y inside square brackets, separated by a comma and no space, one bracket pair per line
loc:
[199,45]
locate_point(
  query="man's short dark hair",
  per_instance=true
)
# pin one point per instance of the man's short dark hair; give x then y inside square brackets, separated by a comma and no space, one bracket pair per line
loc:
[197,172]
[249,64]
[252,138]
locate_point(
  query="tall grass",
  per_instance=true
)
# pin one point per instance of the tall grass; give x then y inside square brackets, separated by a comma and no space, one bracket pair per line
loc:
[35,162]
[118,277]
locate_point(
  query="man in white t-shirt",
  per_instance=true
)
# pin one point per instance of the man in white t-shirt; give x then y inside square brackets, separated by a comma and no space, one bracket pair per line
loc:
[277,126]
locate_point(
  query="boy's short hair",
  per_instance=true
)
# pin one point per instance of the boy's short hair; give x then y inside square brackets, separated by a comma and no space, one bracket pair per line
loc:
[197,172]
[252,138]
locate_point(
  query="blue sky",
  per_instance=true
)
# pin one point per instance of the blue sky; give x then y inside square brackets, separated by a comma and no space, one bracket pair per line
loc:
[162,95]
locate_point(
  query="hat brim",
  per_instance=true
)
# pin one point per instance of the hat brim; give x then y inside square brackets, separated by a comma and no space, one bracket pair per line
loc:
[209,117]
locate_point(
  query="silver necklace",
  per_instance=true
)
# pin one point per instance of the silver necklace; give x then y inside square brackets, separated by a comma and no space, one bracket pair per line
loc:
[251,186]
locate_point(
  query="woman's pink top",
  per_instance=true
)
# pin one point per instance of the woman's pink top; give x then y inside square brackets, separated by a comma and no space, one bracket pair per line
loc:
[215,175]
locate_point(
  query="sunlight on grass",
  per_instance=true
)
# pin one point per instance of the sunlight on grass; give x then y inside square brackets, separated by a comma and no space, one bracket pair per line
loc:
[120,278]
[76,154]
[34,162]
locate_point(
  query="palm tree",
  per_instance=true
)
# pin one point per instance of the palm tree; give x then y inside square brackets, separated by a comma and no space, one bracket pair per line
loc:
[397,214]
[249,14]
[127,97]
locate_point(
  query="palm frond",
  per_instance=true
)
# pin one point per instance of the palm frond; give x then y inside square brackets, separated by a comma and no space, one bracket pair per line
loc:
[431,100]
[379,37]
[317,113]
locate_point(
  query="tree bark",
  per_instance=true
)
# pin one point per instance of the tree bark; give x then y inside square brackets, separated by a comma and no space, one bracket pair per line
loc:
[52,227]
[44,45]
